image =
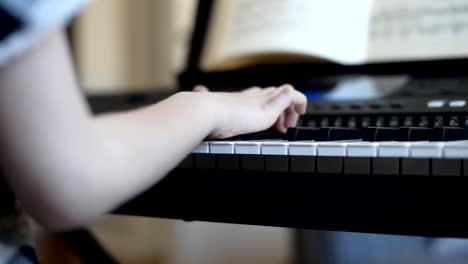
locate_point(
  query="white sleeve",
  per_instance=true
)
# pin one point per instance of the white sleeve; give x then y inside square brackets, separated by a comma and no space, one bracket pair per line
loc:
[24,22]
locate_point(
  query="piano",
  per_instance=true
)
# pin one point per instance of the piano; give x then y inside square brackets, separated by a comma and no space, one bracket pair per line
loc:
[394,163]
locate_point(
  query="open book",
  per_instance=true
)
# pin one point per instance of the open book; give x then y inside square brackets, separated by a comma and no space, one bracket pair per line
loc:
[250,32]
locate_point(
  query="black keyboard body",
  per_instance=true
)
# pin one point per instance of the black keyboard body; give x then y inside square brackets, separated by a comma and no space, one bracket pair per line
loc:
[394,204]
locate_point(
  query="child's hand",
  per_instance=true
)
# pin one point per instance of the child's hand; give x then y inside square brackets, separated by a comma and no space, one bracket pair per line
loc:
[256,109]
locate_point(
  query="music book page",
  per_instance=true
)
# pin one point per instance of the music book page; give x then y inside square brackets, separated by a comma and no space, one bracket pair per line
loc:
[418,29]
[250,32]
[286,30]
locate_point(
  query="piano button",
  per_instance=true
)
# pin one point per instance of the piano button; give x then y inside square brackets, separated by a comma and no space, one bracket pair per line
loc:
[423,121]
[446,167]
[386,166]
[454,121]
[380,121]
[325,122]
[276,156]
[394,121]
[438,121]
[365,122]
[415,134]
[357,165]
[302,156]
[187,163]
[352,123]
[338,122]
[408,121]
[415,167]
[457,103]
[436,104]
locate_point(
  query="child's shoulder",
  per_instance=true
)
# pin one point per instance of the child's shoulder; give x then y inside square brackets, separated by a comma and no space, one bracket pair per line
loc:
[25,22]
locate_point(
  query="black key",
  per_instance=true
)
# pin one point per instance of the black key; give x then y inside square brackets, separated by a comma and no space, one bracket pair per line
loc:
[303,133]
[262,135]
[449,134]
[415,134]
[324,134]
[335,134]
[382,134]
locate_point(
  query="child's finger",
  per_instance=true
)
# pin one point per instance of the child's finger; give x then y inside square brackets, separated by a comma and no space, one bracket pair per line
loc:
[200,88]
[279,124]
[287,96]
[290,117]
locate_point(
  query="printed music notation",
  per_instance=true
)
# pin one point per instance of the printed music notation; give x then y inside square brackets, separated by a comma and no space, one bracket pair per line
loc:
[425,19]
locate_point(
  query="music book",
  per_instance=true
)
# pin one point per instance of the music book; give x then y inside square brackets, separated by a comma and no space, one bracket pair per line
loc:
[245,32]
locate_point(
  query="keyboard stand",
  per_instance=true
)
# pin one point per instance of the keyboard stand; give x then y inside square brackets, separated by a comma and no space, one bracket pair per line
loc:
[403,205]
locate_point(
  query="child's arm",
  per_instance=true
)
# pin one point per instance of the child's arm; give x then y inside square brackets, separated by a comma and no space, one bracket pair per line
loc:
[68,167]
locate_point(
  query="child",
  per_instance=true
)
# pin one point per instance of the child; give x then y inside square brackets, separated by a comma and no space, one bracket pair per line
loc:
[68,167]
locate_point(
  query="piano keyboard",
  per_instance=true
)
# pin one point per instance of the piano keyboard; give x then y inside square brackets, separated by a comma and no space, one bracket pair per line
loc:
[441,151]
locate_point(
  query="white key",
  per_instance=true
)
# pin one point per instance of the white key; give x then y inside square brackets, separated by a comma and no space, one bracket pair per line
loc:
[203,148]
[247,147]
[332,149]
[222,147]
[456,150]
[393,149]
[274,148]
[303,148]
[362,149]
[426,150]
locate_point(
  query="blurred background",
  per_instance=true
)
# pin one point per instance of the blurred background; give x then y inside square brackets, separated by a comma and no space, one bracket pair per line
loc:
[123,47]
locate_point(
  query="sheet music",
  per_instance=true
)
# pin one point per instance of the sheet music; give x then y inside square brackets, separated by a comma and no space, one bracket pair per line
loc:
[418,29]
[332,29]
